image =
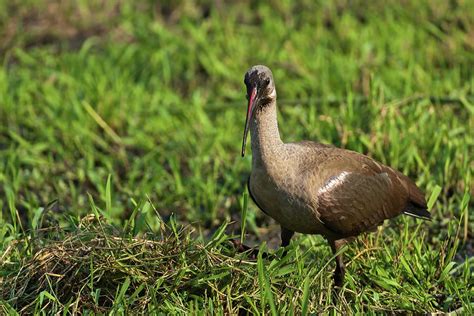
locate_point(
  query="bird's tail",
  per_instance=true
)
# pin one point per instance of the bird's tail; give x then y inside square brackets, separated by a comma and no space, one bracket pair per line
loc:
[417,211]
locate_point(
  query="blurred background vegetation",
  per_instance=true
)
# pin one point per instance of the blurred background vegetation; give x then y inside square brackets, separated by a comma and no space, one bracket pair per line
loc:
[151,93]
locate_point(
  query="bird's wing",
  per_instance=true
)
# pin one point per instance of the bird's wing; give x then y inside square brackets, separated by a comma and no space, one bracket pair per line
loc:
[359,193]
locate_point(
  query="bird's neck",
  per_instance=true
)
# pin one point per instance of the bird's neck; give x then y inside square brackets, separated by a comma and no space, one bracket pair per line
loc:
[266,141]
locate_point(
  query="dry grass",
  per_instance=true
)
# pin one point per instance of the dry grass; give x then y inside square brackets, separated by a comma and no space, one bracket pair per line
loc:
[94,266]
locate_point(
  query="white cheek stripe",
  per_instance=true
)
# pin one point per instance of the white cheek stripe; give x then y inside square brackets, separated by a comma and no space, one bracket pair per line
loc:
[333,182]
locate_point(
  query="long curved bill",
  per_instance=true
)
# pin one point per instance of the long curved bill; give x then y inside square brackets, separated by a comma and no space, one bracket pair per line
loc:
[250,106]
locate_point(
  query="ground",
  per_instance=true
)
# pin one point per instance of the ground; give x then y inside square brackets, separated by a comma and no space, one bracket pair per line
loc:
[121,181]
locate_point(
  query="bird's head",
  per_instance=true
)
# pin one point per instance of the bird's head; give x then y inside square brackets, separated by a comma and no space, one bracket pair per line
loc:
[260,93]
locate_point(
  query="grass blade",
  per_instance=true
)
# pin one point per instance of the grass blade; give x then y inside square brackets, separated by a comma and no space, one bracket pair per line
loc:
[108,195]
[243,220]
[434,196]
[305,299]
[265,287]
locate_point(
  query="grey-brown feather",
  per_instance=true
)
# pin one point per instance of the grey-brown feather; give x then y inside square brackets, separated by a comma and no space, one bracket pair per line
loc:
[318,189]
[314,188]
[287,179]
[368,193]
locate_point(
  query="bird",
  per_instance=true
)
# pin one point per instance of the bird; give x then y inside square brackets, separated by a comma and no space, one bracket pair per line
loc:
[314,188]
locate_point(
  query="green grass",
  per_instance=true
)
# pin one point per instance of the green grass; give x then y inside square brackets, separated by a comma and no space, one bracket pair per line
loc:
[133,112]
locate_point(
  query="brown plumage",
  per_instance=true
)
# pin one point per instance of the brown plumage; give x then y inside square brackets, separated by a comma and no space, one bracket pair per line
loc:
[313,188]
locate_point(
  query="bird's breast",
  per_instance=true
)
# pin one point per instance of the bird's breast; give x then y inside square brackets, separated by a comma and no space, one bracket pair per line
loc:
[285,199]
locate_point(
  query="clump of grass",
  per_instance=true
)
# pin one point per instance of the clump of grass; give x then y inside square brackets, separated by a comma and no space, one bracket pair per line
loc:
[97,267]
[92,265]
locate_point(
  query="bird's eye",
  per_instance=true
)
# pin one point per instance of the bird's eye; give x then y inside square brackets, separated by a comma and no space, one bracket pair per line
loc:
[267,82]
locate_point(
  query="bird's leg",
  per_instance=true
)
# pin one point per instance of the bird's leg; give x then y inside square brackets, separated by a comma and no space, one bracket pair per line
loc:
[286,235]
[340,267]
